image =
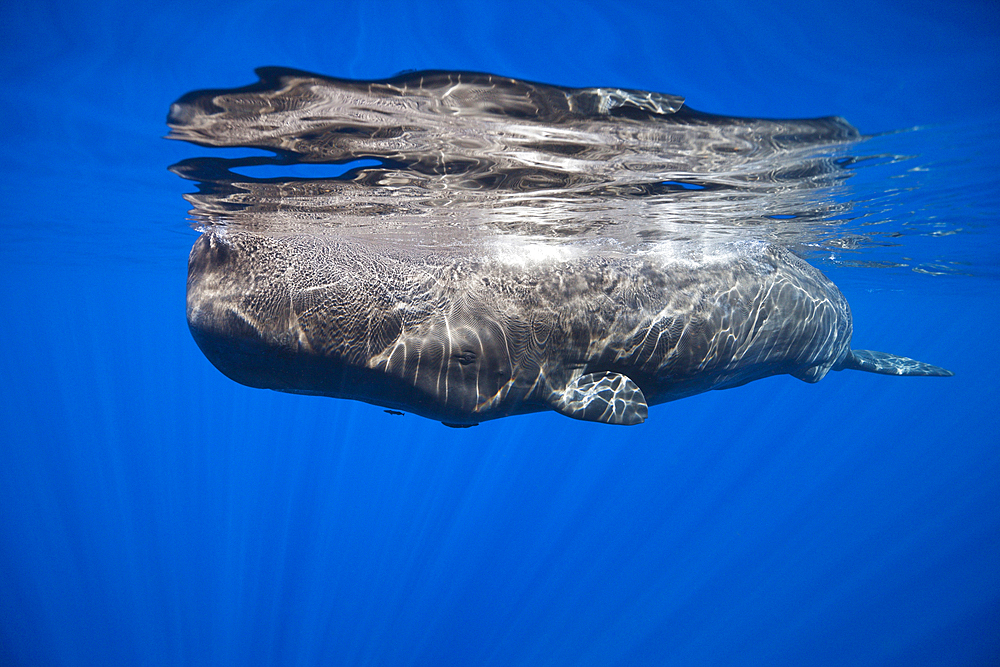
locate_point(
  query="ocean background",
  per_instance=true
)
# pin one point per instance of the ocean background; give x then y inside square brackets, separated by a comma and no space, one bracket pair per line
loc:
[153,512]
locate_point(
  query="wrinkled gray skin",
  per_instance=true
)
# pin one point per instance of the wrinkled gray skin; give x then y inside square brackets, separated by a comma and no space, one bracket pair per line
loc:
[464,337]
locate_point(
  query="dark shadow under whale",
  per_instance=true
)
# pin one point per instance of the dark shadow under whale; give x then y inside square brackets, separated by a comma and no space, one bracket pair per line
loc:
[514,248]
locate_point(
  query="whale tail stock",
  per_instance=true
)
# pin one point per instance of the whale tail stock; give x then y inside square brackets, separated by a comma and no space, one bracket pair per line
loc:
[889,364]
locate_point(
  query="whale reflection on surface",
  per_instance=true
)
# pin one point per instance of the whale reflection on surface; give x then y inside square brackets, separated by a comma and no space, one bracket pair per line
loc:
[489,247]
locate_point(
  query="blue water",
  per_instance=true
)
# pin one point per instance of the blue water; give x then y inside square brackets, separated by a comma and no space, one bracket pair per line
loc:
[152,512]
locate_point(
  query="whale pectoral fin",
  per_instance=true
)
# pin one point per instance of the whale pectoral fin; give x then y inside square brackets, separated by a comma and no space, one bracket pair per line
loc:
[606,397]
[889,364]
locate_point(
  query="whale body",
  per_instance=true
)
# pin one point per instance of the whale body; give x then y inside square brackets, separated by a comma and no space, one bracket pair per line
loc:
[466,336]
[476,246]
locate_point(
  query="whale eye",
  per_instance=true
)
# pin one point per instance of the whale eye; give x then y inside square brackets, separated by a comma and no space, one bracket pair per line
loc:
[465,358]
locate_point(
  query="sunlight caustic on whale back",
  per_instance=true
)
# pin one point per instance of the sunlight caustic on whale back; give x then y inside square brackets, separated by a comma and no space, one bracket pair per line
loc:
[517,247]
